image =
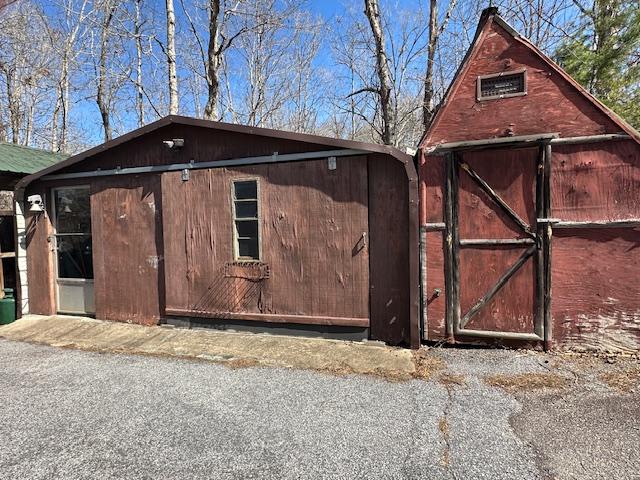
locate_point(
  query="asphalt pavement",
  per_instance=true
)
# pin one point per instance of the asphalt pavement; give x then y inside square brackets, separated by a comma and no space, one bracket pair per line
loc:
[74,414]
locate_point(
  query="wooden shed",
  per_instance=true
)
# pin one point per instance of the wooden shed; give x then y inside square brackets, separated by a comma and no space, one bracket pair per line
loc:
[530,205]
[200,223]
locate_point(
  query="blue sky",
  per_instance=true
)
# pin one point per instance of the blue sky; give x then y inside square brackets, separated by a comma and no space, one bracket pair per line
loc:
[85,112]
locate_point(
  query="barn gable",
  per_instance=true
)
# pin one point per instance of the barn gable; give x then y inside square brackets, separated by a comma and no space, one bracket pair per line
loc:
[553,102]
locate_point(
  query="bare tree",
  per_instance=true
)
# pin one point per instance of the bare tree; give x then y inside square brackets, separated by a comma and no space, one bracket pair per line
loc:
[102,94]
[435,32]
[214,58]
[137,36]
[372,11]
[171,58]
[356,54]
[26,61]
[259,72]
[65,37]
[545,22]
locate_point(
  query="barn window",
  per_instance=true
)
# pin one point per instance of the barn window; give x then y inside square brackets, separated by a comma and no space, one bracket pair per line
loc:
[502,85]
[245,220]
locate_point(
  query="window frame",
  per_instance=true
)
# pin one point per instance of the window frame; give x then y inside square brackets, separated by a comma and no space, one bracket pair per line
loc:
[234,219]
[481,98]
[55,234]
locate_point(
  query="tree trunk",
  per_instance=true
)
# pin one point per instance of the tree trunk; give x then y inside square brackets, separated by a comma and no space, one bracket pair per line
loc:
[427,106]
[101,94]
[54,126]
[13,99]
[372,10]
[214,54]
[171,59]
[138,39]
[29,127]
[65,107]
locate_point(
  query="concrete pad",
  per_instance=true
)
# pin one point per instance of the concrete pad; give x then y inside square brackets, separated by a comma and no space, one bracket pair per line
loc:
[234,349]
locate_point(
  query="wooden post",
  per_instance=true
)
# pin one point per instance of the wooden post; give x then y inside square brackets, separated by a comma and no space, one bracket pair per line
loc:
[540,251]
[455,241]
[447,245]
[547,249]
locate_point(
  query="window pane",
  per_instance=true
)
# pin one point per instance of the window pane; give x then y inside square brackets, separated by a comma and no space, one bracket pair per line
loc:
[247,228]
[247,209]
[6,234]
[74,256]
[73,210]
[246,190]
[248,248]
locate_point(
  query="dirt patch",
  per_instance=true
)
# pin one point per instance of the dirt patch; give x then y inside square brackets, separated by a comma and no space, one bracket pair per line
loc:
[443,426]
[624,381]
[527,382]
[241,363]
[426,364]
[385,374]
[451,380]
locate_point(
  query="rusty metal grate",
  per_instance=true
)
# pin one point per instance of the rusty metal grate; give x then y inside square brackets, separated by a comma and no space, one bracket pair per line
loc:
[248,270]
[500,86]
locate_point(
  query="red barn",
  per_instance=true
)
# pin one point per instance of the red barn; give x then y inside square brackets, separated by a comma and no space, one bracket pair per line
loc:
[530,205]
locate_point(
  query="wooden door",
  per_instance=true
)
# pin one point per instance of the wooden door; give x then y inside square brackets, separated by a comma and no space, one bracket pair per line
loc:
[73,250]
[496,259]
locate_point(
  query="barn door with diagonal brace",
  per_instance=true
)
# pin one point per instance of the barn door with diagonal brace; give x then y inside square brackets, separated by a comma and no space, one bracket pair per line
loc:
[497,247]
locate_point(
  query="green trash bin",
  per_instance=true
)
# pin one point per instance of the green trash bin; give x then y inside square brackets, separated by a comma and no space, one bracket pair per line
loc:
[7,307]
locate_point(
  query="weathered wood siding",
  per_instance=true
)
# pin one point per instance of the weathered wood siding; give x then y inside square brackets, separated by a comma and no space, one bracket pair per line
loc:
[312,222]
[551,105]
[126,223]
[595,281]
[40,266]
[435,292]
[596,289]
[200,145]
[389,251]
[431,188]
[597,181]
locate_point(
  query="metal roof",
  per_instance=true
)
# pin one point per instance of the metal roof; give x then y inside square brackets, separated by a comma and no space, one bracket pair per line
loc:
[26,160]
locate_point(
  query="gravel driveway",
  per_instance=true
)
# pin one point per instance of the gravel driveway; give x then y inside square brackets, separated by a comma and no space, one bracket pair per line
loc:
[72,414]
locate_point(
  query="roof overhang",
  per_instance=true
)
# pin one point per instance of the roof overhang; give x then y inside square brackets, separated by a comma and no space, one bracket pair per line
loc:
[519,141]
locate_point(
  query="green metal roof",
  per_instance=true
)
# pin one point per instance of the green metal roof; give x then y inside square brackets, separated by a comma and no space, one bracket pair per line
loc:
[26,160]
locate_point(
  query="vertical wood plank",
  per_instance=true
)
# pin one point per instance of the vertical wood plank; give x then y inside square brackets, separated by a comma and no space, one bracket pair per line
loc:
[548,324]
[541,264]
[448,246]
